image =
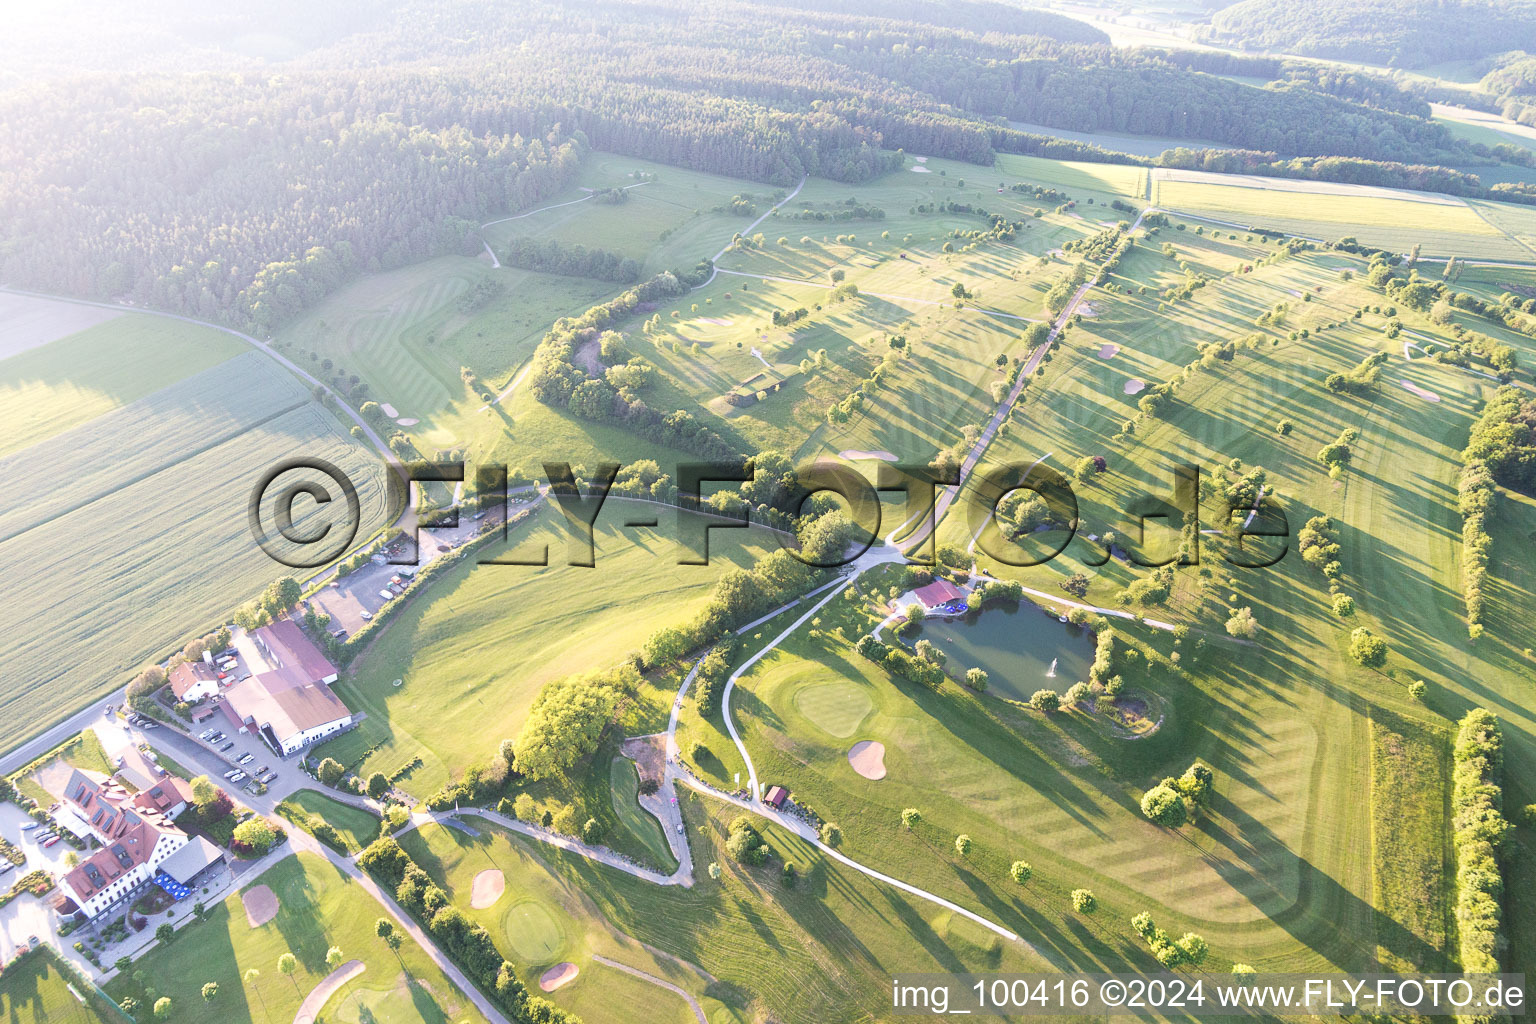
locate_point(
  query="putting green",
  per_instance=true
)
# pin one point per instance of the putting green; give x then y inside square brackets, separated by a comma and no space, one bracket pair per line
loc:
[533,932]
[837,707]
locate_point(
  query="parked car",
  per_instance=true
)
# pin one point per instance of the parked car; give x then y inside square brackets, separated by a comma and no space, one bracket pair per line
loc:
[237,777]
[29,826]
[6,866]
[51,841]
[205,734]
[259,772]
[106,712]
[225,747]
[264,779]
[386,594]
[217,737]
[245,758]
[148,723]
[366,616]
[42,837]
[231,773]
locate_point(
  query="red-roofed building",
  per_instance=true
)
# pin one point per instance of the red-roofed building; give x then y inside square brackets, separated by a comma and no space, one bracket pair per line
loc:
[939,592]
[288,711]
[137,833]
[285,646]
[192,681]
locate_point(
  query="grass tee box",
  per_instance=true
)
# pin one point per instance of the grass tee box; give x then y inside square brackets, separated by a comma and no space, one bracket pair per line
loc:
[318,907]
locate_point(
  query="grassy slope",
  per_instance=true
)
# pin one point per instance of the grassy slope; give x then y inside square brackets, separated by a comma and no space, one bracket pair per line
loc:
[475,651]
[1377,217]
[357,826]
[319,908]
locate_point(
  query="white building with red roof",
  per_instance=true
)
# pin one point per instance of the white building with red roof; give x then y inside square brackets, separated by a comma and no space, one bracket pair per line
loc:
[137,833]
[287,701]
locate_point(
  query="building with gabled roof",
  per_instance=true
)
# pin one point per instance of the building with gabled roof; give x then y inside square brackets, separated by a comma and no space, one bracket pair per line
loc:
[284,646]
[193,681]
[137,833]
[286,710]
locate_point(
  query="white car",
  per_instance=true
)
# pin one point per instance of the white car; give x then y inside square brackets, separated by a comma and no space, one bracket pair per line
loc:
[366,616]
[237,777]
[245,759]
[205,734]
[231,773]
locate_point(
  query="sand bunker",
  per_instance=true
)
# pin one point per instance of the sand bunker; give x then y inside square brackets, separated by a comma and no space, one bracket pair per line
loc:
[313,1003]
[868,758]
[921,159]
[1428,396]
[1108,351]
[718,321]
[1135,387]
[389,410]
[558,976]
[857,453]
[921,170]
[487,889]
[408,421]
[260,905]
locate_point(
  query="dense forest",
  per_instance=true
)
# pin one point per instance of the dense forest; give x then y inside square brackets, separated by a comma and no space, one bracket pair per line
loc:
[225,198]
[364,142]
[1398,33]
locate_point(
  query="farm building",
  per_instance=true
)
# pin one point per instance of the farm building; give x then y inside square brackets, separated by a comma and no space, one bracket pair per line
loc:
[283,645]
[776,797]
[286,709]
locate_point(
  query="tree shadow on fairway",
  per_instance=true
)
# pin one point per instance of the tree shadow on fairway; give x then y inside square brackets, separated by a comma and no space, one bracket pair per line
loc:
[980,726]
[1324,916]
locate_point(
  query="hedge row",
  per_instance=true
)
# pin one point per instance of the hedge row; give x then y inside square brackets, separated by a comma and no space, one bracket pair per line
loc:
[1477,807]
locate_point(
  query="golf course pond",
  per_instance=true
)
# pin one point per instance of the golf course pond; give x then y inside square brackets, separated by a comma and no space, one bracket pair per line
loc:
[1022,648]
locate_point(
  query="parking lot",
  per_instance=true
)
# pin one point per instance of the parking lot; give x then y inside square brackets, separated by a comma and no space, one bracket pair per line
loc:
[352,600]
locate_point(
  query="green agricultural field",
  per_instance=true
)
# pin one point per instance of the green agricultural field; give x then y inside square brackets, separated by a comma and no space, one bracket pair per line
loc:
[35,991]
[786,952]
[318,907]
[1386,217]
[471,654]
[1518,222]
[149,542]
[357,826]
[48,389]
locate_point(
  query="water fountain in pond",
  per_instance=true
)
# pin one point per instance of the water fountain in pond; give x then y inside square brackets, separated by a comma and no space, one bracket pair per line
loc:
[1052,673]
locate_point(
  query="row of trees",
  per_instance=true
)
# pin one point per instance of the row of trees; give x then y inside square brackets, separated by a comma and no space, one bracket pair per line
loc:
[1477,811]
[1500,451]
[576,260]
[556,380]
